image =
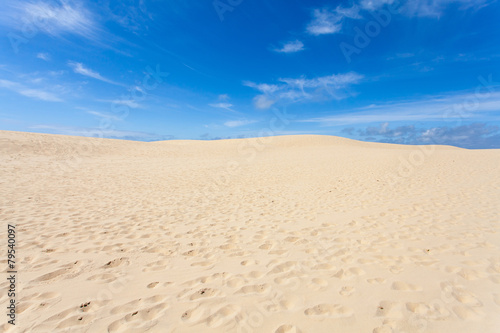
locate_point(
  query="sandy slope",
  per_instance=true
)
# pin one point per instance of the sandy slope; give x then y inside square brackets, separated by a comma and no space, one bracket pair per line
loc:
[284,234]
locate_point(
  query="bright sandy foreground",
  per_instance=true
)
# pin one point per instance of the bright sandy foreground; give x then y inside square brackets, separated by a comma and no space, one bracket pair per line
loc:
[283,234]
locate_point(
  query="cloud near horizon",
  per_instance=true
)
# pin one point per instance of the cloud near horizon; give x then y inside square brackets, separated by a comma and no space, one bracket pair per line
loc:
[475,135]
[103,133]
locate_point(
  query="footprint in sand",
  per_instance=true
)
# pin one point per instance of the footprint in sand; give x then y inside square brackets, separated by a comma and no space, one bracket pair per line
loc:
[495,279]
[39,300]
[283,267]
[349,273]
[249,262]
[376,281]
[389,309]
[466,297]
[82,314]
[471,274]
[159,265]
[137,303]
[329,310]
[117,262]
[223,316]
[347,291]
[287,329]
[140,319]
[324,266]
[254,289]
[78,320]
[67,271]
[103,278]
[403,286]
[203,263]
[430,311]
[152,285]
[195,315]
[204,293]
[468,313]
[496,299]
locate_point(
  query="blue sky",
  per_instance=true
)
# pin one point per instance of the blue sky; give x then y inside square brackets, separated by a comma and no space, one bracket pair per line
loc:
[413,72]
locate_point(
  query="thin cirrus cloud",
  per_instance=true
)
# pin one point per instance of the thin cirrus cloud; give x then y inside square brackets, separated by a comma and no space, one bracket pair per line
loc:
[103,115]
[79,68]
[375,4]
[222,105]
[327,21]
[291,47]
[238,123]
[43,56]
[330,21]
[335,86]
[422,8]
[29,92]
[51,18]
[436,8]
[131,103]
[450,108]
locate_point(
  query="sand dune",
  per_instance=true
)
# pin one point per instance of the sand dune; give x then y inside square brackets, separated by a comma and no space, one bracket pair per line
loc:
[282,234]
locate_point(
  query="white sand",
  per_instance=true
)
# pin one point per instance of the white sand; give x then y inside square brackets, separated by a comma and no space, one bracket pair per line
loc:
[284,234]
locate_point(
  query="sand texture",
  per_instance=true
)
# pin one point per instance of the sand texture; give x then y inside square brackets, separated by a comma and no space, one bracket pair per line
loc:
[285,234]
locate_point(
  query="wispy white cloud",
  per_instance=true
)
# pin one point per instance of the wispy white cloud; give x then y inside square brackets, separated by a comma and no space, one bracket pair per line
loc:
[401,56]
[29,92]
[103,115]
[349,12]
[263,101]
[52,18]
[8,84]
[327,21]
[375,4]
[324,22]
[56,73]
[436,8]
[222,105]
[433,8]
[238,123]
[40,94]
[452,107]
[334,86]
[43,56]
[132,15]
[291,47]
[79,68]
[262,87]
[127,102]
